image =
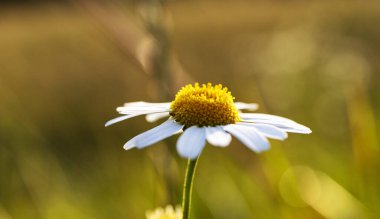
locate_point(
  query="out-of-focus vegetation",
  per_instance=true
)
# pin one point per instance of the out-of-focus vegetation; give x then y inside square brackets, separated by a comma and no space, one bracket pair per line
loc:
[62,73]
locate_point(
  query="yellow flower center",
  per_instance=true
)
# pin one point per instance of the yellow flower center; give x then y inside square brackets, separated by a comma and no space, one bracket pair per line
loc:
[204,105]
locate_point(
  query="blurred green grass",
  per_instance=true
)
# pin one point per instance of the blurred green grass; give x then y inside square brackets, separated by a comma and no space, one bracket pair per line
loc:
[317,63]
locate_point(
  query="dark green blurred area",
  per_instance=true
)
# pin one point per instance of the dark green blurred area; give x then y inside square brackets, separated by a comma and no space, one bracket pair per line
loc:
[62,76]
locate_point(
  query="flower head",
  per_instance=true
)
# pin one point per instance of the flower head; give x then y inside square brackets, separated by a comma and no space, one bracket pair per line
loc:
[165,213]
[204,105]
[206,113]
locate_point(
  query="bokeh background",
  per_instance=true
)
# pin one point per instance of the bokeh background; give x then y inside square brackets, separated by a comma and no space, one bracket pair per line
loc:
[66,65]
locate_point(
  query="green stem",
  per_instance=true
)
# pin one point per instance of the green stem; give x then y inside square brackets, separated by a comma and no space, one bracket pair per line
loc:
[187,187]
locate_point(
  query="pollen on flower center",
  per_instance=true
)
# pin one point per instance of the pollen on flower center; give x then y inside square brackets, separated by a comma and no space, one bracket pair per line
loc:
[204,105]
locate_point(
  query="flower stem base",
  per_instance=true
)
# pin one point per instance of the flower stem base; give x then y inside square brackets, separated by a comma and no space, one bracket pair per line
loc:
[188,187]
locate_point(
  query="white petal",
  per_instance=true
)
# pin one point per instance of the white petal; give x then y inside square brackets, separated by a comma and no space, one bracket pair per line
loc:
[217,136]
[141,109]
[280,122]
[147,104]
[294,128]
[119,119]
[166,129]
[191,143]
[262,116]
[156,116]
[298,130]
[287,127]
[247,106]
[269,131]
[248,136]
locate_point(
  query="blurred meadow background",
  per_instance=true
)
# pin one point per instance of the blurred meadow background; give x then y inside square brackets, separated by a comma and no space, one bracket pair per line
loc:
[66,65]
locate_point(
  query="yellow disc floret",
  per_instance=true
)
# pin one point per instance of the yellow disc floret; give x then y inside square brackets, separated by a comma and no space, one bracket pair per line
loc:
[204,105]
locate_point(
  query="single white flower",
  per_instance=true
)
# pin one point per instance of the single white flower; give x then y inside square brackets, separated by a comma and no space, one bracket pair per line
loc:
[165,213]
[207,113]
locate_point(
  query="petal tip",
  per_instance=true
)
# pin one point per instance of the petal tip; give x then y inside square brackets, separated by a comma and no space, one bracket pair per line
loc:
[306,130]
[107,124]
[254,107]
[193,158]
[263,149]
[190,157]
[128,146]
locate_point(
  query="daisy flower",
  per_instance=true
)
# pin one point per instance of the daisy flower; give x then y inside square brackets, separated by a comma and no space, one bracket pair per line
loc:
[207,113]
[165,213]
